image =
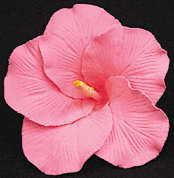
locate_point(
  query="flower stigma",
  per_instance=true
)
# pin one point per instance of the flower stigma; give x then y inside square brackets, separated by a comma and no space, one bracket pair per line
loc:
[88,91]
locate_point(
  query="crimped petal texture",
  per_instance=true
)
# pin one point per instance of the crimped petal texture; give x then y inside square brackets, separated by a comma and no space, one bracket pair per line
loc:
[63,149]
[137,56]
[30,92]
[101,57]
[139,128]
[67,34]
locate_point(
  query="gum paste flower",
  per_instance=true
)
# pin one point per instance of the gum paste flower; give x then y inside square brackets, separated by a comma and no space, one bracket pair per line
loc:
[88,86]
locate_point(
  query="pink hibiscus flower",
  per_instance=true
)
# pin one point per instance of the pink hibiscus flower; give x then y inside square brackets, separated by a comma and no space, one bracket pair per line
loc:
[120,72]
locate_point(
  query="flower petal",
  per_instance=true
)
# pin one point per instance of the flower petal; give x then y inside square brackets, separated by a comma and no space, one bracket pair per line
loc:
[139,128]
[29,91]
[63,149]
[66,36]
[137,56]
[101,57]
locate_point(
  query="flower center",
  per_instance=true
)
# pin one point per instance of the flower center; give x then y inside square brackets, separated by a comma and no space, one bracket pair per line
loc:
[88,91]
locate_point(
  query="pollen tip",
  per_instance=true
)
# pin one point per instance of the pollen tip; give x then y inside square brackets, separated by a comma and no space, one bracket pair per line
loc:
[77,83]
[86,90]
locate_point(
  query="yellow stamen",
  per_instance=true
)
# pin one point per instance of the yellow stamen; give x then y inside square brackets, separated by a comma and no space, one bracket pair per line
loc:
[88,91]
[77,83]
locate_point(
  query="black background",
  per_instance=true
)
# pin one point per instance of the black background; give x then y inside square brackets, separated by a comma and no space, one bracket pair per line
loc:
[21,21]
